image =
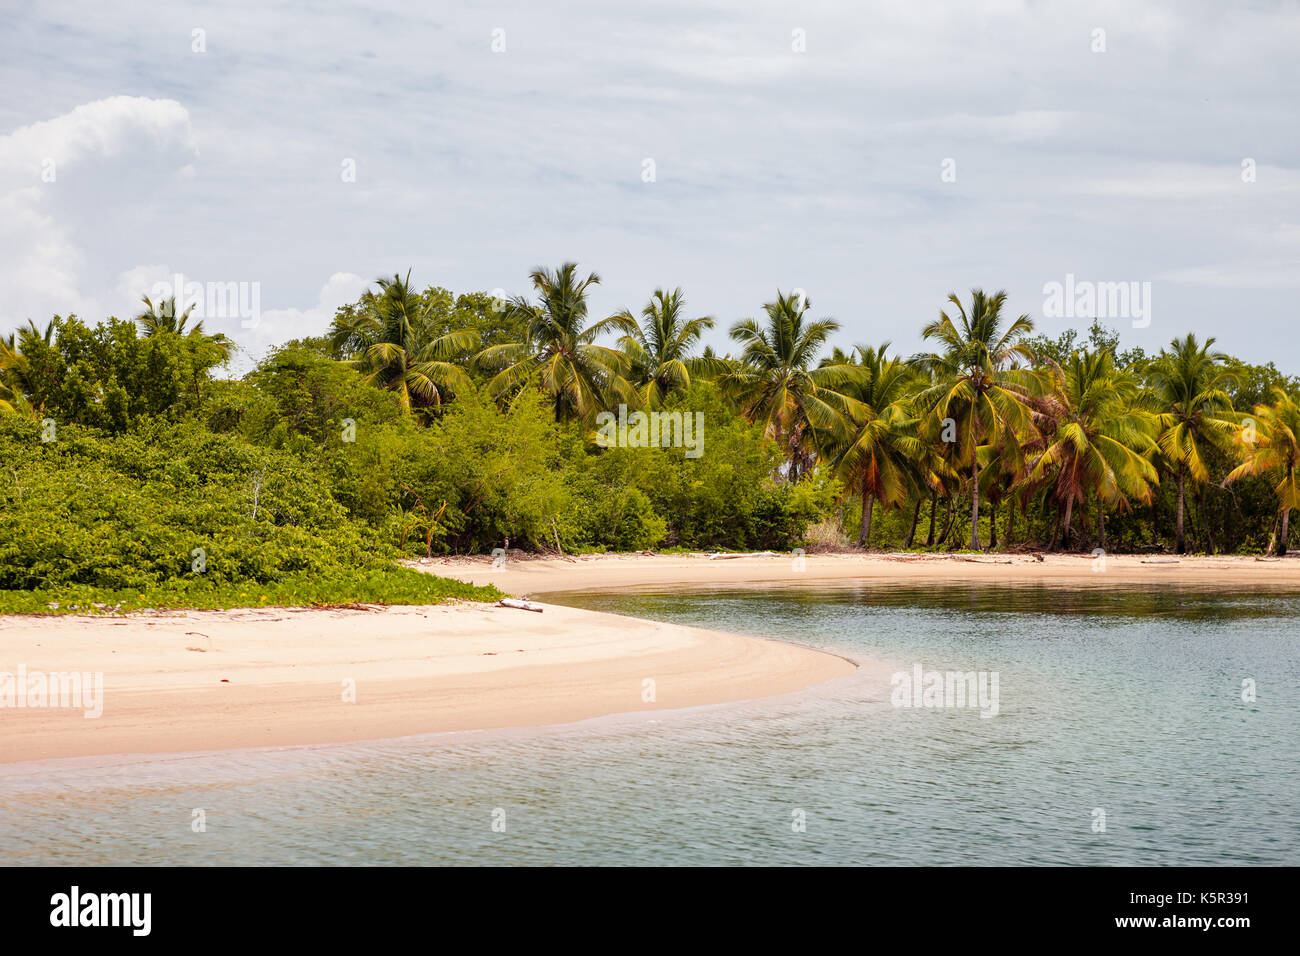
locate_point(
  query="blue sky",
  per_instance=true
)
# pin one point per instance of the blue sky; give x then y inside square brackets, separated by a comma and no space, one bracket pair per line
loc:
[817,168]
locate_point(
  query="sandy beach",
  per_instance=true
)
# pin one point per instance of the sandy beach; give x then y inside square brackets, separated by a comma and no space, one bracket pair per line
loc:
[214,680]
[538,576]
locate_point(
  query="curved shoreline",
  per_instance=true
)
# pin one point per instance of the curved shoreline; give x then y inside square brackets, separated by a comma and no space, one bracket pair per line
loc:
[548,575]
[184,682]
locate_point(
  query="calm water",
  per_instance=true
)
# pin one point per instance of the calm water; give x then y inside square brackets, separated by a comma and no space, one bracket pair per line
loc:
[1129,702]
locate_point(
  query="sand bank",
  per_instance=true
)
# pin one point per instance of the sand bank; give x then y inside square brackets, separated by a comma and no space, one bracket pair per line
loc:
[538,576]
[213,680]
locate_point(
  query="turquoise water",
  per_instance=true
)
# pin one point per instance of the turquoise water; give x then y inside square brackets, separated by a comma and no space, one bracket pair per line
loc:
[1122,701]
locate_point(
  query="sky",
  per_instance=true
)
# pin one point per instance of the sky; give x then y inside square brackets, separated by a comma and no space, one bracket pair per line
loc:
[877,157]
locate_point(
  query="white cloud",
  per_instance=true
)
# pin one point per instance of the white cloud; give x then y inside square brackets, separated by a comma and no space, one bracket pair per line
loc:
[1275,274]
[280,325]
[64,176]
[1184,181]
[818,169]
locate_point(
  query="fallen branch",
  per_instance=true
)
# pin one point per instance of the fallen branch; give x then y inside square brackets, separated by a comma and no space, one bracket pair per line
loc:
[520,605]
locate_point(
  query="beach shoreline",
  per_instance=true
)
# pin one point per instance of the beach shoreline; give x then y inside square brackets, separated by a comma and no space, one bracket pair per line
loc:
[540,575]
[181,682]
[187,681]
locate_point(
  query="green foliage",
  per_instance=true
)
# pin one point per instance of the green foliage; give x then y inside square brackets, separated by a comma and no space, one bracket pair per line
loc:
[109,375]
[176,509]
[380,585]
[428,423]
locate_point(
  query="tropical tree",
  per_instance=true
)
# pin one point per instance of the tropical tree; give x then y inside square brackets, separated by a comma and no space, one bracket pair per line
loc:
[9,362]
[559,352]
[1190,383]
[1271,447]
[980,393]
[880,454]
[659,349]
[391,340]
[776,383]
[164,317]
[16,384]
[156,319]
[1094,440]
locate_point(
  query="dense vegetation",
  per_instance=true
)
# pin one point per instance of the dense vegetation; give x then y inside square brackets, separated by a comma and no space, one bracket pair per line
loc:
[424,423]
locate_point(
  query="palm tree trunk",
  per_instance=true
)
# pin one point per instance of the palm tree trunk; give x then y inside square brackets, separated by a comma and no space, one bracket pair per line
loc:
[1272,532]
[993,525]
[1281,541]
[1069,514]
[868,505]
[934,506]
[947,522]
[1180,541]
[911,532]
[975,503]
[1205,523]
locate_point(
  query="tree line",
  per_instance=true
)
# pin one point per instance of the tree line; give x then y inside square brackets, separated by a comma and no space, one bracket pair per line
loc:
[474,416]
[990,414]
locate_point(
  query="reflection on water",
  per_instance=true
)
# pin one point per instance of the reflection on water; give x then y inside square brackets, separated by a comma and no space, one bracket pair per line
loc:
[1127,701]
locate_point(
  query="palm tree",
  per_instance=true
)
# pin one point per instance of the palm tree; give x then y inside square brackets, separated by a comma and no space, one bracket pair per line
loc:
[980,392]
[559,352]
[10,358]
[1195,412]
[880,454]
[775,382]
[1274,450]
[658,350]
[155,319]
[163,317]
[1094,439]
[392,343]
[16,384]
[1002,467]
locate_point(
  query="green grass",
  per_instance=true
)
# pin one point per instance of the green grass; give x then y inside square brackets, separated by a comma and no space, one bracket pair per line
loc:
[392,585]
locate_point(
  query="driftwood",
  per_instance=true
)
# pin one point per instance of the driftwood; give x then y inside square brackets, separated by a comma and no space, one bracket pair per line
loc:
[520,605]
[1159,560]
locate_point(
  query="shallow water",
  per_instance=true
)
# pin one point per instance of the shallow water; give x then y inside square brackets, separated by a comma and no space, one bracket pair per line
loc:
[1127,701]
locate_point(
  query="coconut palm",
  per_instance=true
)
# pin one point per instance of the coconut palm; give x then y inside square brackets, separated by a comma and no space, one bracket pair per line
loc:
[161,317]
[1271,447]
[559,352]
[776,383]
[164,317]
[1194,413]
[15,376]
[10,358]
[1094,440]
[391,340]
[980,393]
[658,350]
[879,457]
[1002,468]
